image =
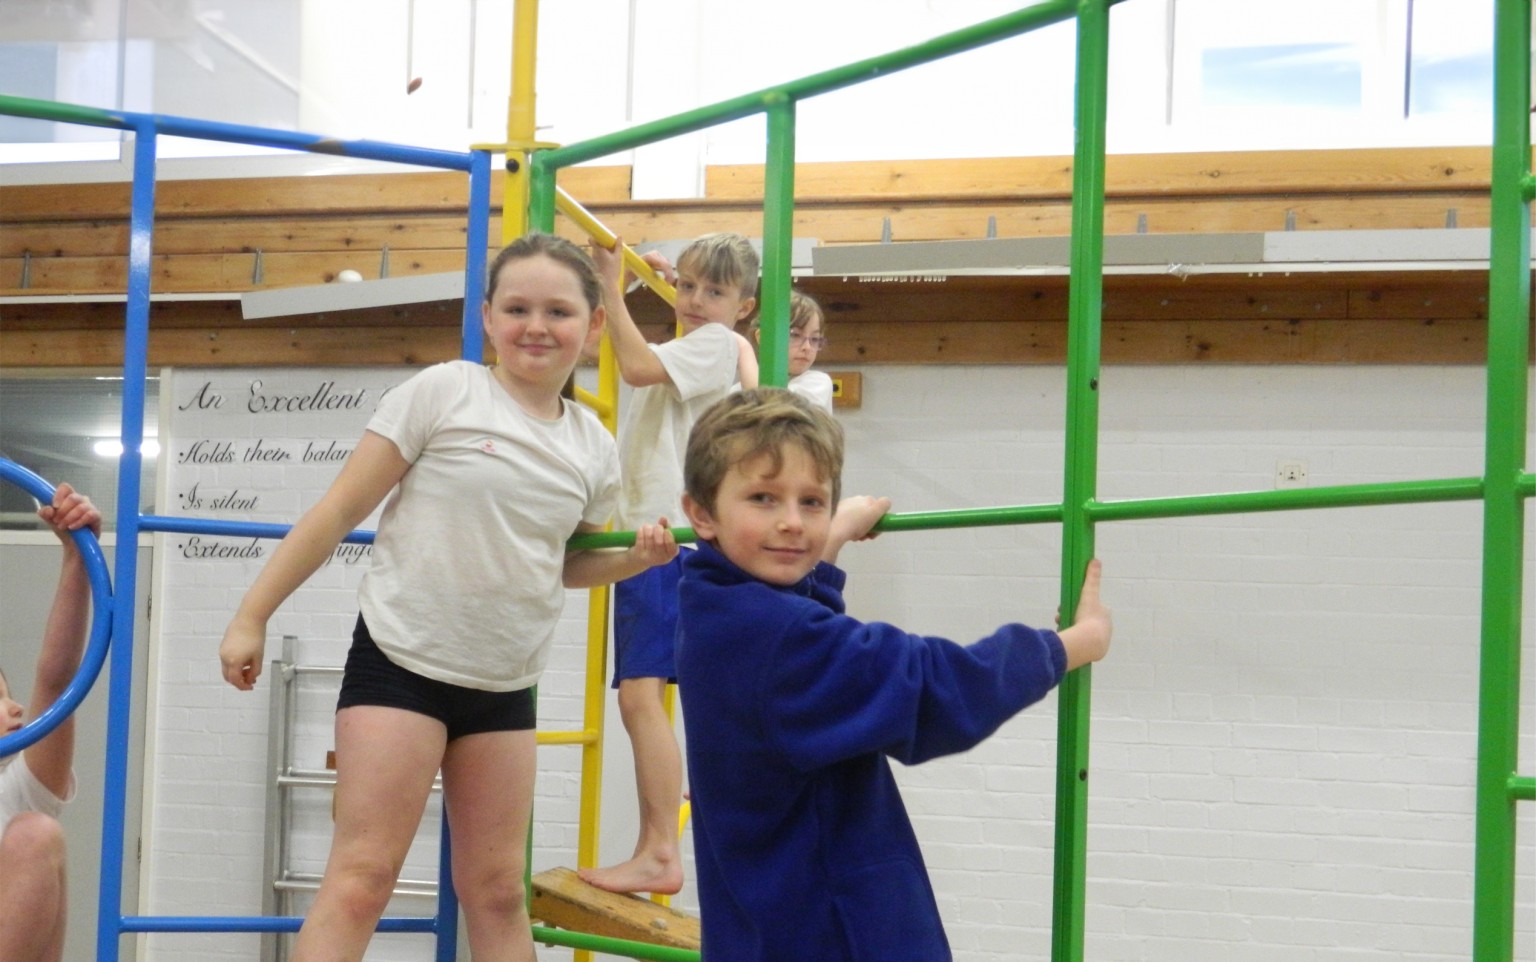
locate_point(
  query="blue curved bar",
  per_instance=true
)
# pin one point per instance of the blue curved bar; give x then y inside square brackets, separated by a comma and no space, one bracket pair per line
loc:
[101,620]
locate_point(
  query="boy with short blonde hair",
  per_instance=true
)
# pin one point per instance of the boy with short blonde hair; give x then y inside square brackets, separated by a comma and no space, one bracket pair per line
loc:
[673,383]
[802,845]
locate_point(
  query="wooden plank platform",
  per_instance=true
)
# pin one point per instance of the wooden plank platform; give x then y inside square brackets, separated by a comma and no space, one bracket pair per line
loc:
[562,900]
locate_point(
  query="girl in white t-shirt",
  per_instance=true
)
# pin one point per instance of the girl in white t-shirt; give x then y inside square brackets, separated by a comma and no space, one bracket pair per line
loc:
[488,472]
[807,336]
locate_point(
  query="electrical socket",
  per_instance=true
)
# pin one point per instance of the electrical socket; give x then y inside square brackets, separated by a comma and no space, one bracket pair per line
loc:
[1291,473]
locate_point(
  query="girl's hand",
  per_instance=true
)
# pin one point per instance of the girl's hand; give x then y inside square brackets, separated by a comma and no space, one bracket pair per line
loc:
[240,653]
[654,544]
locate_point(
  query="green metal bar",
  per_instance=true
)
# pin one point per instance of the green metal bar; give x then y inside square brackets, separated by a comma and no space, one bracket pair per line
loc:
[63,113]
[1525,486]
[1522,788]
[778,243]
[746,105]
[1184,506]
[911,521]
[612,946]
[1084,314]
[1509,305]
[1338,496]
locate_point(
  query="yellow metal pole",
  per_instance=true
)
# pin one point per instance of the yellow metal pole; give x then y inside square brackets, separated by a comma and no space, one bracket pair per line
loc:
[521,128]
[595,701]
[520,119]
[600,232]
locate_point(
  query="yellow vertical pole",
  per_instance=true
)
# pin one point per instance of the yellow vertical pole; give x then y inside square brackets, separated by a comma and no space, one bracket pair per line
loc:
[521,128]
[520,119]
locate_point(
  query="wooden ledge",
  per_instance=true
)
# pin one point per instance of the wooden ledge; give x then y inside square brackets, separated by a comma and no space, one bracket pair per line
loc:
[562,900]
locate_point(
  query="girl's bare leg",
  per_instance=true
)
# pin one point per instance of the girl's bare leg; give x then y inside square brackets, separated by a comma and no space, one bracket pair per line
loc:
[488,790]
[386,759]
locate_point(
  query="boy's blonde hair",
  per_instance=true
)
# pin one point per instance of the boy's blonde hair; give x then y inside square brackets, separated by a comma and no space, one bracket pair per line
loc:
[746,424]
[723,258]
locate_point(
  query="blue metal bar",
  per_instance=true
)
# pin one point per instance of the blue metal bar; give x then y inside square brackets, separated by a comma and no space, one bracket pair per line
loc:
[235,529]
[95,654]
[234,133]
[130,468]
[476,242]
[111,923]
[446,924]
[258,923]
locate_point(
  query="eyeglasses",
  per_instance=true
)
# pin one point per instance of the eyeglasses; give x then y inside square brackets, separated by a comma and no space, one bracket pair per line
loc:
[814,340]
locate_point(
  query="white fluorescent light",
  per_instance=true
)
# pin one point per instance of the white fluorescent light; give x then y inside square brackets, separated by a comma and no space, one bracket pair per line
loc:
[113,448]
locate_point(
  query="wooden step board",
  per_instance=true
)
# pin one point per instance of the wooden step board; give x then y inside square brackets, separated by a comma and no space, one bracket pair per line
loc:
[564,901]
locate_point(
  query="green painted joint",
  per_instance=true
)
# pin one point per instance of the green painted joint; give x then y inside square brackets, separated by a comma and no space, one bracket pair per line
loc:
[1528,187]
[62,113]
[1522,788]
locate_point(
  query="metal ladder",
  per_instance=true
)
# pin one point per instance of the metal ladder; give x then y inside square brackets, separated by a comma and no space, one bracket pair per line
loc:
[282,882]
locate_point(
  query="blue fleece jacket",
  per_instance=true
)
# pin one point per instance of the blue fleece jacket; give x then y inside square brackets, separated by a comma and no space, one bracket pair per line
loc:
[803,848]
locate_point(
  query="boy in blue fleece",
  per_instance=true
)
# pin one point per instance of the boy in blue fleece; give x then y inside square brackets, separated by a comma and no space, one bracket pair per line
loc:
[802,844]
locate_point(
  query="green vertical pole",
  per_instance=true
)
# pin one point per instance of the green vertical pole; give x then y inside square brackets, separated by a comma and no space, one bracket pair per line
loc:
[778,240]
[541,196]
[1509,306]
[1084,310]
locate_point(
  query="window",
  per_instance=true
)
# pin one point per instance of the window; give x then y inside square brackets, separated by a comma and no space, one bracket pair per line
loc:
[65,428]
[1450,67]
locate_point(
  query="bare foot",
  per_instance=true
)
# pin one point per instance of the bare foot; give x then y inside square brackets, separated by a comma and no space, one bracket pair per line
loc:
[643,873]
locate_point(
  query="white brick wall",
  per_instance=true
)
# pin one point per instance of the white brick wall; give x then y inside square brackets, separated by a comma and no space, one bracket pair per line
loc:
[1283,735]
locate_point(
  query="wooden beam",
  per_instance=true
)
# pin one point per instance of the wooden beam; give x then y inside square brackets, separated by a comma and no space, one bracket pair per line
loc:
[211,236]
[1215,173]
[439,191]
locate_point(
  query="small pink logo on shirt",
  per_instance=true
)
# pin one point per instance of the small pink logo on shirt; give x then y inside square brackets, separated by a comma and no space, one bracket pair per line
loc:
[488,446]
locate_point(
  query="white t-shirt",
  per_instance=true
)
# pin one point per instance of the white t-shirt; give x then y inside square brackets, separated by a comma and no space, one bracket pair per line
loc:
[815,387]
[20,791]
[465,582]
[657,419]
